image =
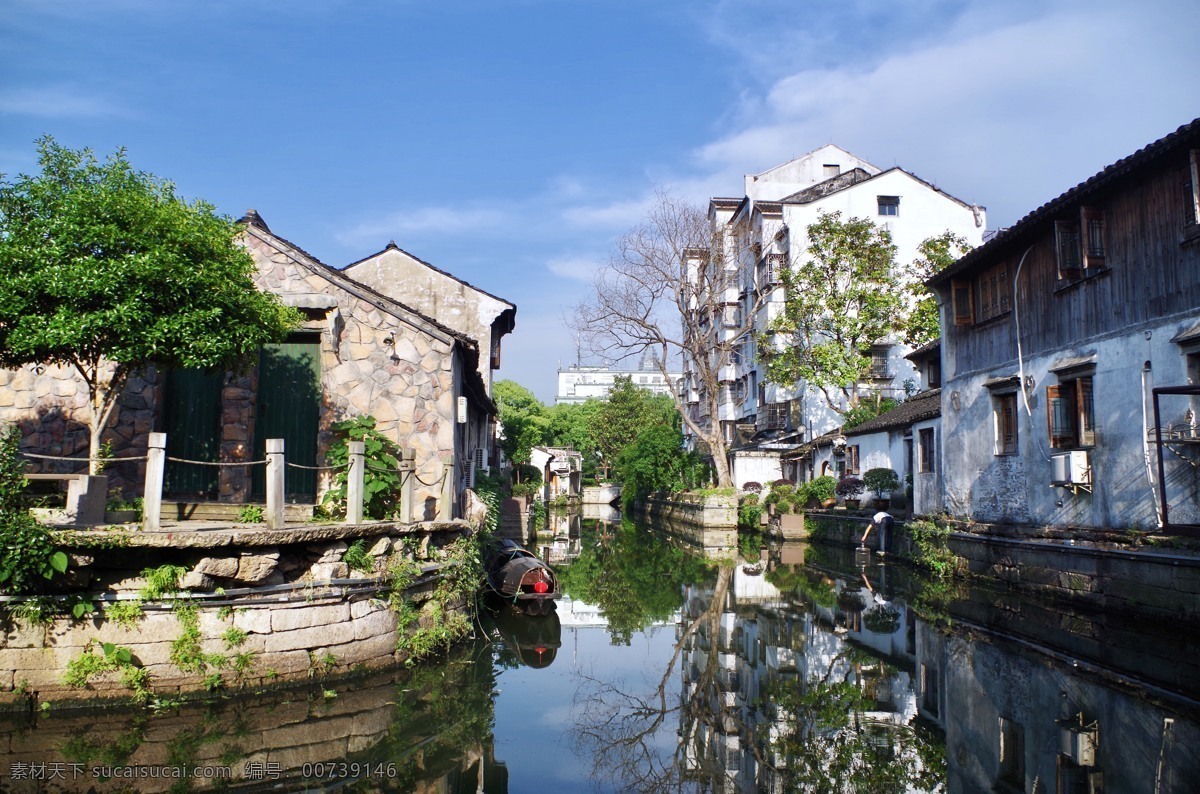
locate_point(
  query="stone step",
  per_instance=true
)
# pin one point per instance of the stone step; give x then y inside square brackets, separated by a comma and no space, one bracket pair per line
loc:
[225,511]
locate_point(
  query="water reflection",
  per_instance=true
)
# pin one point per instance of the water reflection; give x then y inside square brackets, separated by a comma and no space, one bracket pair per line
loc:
[765,668]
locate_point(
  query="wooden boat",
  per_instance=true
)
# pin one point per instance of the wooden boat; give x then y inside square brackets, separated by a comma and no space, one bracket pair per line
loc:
[519,577]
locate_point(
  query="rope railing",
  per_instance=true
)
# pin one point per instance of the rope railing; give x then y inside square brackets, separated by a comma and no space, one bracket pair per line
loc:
[316,468]
[217,463]
[81,502]
[80,460]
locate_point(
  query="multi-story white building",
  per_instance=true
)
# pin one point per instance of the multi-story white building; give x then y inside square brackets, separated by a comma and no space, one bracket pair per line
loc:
[578,383]
[767,230]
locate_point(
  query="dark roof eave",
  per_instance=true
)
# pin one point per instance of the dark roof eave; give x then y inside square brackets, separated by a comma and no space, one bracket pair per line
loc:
[1030,225]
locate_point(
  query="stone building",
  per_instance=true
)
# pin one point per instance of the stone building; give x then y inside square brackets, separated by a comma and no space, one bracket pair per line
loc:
[358,352]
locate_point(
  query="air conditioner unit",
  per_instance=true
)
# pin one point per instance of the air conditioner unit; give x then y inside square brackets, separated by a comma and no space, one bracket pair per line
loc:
[1070,468]
[1078,742]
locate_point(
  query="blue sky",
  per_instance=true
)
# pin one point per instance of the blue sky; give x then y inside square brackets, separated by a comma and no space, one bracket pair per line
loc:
[511,142]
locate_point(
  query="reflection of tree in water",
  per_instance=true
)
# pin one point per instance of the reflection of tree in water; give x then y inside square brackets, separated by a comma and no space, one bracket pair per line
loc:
[635,577]
[829,720]
[622,729]
[833,737]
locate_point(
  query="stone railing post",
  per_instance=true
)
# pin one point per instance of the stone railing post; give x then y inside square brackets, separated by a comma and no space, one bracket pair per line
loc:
[408,473]
[275,472]
[156,461]
[446,503]
[354,482]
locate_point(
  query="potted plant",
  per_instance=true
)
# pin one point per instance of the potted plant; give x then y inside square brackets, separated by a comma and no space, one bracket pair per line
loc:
[821,491]
[850,488]
[882,482]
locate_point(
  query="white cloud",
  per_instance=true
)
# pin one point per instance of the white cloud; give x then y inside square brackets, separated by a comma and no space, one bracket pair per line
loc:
[403,223]
[57,102]
[1005,114]
[576,268]
[615,215]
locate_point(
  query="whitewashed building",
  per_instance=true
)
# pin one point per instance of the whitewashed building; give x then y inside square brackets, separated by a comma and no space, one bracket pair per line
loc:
[1071,354]
[767,229]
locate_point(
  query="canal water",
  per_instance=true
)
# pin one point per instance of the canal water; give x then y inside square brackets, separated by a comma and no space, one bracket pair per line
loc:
[765,668]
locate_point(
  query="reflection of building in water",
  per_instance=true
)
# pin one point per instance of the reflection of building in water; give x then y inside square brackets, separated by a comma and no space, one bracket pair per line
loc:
[565,546]
[1019,715]
[763,641]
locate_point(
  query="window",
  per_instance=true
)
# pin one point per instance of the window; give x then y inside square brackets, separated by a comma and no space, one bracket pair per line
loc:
[929,690]
[1190,195]
[933,374]
[1092,222]
[926,450]
[1004,407]
[1066,236]
[995,293]
[852,459]
[732,315]
[830,170]
[879,363]
[1012,752]
[1071,414]
[1080,247]
[889,205]
[963,297]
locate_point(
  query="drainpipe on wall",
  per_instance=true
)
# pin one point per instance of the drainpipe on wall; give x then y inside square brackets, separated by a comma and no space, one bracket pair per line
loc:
[1158,513]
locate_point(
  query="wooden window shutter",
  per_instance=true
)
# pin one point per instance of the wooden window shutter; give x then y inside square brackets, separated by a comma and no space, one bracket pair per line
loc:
[1066,235]
[963,298]
[1091,221]
[1085,413]
[1061,414]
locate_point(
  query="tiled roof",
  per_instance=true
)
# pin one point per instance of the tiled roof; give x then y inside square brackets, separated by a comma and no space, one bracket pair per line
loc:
[831,185]
[1185,136]
[919,407]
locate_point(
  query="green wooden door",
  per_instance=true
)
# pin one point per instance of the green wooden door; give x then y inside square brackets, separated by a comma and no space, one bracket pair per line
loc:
[289,407]
[192,422]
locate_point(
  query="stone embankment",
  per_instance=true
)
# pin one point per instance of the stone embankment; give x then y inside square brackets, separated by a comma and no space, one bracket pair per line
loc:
[708,521]
[1160,576]
[249,607]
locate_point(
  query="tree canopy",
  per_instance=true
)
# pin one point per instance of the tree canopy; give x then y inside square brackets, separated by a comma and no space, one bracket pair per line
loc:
[107,269]
[838,302]
[934,255]
[523,420]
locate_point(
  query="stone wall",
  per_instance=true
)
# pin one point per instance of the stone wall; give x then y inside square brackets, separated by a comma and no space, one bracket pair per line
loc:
[286,598]
[1096,573]
[372,362]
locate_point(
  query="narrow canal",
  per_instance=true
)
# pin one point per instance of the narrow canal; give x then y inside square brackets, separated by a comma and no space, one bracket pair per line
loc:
[765,668]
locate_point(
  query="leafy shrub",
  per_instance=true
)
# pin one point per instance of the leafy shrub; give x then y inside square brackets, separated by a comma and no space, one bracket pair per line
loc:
[753,487]
[881,481]
[357,558]
[866,411]
[749,511]
[381,476]
[27,553]
[849,487]
[821,489]
[782,481]
[520,489]
[250,514]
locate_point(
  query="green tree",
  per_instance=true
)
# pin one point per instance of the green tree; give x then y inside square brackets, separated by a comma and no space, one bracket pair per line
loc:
[839,301]
[523,420]
[934,255]
[106,269]
[571,425]
[656,461]
[628,411]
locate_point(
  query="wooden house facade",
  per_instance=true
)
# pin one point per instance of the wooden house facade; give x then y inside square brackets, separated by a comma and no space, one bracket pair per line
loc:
[1059,335]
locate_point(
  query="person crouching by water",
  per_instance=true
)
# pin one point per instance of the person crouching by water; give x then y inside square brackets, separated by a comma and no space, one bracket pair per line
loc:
[884,522]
